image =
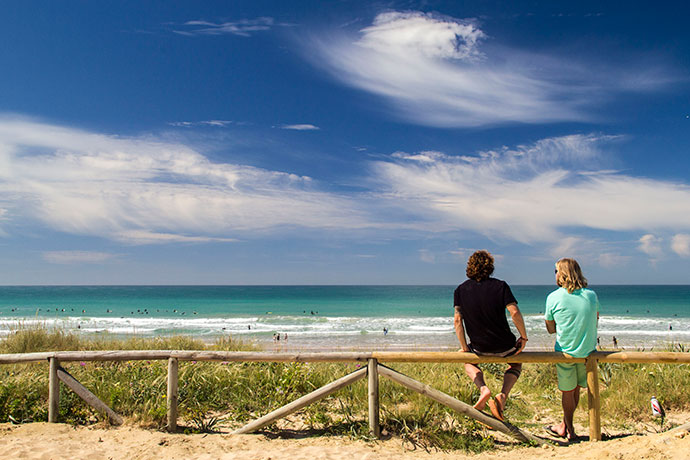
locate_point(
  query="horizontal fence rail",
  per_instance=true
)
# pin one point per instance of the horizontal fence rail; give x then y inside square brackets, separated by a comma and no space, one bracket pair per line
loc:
[332,357]
[372,369]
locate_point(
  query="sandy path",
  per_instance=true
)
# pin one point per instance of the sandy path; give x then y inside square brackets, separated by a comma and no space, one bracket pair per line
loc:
[59,441]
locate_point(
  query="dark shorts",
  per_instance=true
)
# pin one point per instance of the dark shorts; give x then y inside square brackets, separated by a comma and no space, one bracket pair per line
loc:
[510,352]
[502,354]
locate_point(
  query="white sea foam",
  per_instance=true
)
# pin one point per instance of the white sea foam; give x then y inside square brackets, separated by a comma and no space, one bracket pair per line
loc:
[438,330]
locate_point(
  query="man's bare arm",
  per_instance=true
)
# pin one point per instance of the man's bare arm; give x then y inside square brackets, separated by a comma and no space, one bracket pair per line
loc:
[519,322]
[460,329]
[551,326]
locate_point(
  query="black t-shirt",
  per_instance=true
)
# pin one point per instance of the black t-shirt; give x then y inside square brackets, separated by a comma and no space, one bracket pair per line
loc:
[482,306]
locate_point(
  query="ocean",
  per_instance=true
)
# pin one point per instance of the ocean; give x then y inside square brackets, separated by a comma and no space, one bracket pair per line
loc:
[329,317]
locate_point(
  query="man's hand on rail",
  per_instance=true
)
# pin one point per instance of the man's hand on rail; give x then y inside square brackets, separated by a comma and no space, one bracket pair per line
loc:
[520,345]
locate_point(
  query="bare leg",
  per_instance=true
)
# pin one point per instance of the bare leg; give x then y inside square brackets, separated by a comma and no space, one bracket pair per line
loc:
[569,401]
[509,378]
[477,377]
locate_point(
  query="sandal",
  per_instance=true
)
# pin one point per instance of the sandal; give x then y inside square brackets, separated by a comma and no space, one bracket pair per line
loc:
[549,429]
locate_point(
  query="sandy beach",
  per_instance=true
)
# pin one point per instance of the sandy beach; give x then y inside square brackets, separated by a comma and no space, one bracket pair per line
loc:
[60,441]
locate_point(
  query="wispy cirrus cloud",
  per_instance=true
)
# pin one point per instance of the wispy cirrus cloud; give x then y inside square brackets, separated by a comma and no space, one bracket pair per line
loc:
[434,70]
[549,191]
[301,127]
[242,27]
[191,124]
[77,257]
[145,191]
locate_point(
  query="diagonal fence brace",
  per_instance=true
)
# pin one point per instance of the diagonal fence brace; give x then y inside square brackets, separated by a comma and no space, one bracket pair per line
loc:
[303,401]
[457,405]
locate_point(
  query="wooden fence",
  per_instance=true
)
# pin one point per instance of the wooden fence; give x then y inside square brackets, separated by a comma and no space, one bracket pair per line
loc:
[372,370]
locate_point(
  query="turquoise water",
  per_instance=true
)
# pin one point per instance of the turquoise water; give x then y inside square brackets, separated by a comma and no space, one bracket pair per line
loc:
[327,316]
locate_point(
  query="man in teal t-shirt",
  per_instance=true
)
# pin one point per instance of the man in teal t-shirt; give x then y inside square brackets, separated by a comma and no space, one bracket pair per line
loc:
[572,312]
[575,316]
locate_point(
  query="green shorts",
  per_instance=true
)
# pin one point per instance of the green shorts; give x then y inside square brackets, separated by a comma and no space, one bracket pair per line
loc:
[570,375]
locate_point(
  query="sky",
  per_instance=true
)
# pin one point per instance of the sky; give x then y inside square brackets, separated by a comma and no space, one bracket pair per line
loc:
[343,142]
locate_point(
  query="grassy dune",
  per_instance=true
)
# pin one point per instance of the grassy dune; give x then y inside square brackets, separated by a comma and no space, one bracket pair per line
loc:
[211,394]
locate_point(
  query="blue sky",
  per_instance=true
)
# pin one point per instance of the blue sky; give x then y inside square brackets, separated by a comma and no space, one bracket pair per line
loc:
[342,142]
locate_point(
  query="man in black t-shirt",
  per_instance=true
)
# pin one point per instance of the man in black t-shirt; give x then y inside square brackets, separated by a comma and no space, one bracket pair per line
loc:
[480,304]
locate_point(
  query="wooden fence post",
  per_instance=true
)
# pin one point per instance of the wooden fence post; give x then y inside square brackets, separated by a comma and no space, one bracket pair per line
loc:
[53,391]
[593,400]
[373,373]
[172,394]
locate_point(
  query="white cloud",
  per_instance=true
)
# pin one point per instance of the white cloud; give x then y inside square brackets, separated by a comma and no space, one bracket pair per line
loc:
[243,27]
[190,124]
[680,244]
[141,190]
[427,256]
[422,34]
[650,245]
[76,257]
[612,260]
[433,72]
[530,193]
[569,246]
[301,127]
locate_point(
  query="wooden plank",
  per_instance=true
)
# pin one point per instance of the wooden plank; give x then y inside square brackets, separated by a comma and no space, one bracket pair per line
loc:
[593,399]
[373,374]
[303,401]
[639,357]
[243,356]
[172,394]
[459,406]
[462,357]
[16,358]
[90,398]
[380,356]
[53,391]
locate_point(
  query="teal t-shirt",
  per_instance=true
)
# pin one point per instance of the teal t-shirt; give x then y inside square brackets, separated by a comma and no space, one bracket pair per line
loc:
[576,320]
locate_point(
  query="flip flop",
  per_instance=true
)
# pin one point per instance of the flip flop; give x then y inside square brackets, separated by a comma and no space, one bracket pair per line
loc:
[549,429]
[495,409]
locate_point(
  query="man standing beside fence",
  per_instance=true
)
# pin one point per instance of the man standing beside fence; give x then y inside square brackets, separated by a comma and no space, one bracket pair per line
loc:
[572,312]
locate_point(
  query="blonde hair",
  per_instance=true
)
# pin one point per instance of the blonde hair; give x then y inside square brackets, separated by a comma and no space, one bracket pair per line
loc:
[570,275]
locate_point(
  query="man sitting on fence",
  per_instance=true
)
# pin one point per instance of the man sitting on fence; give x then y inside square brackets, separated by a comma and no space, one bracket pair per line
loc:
[572,312]
[480,304]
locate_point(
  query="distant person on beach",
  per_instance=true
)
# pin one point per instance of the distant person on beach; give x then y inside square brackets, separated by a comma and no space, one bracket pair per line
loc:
[572,313]
[480,305]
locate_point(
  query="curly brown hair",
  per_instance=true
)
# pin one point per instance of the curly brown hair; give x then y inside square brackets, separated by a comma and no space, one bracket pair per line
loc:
[480,266]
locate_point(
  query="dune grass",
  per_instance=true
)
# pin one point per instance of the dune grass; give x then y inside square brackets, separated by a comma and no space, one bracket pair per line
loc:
[231,394]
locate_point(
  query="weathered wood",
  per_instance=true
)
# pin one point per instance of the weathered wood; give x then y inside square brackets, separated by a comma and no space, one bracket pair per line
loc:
[373,374]
[380,356]
[90,398]
[638,357]
[172,394]
[53,391]
[462,357]
[16,358]
[457,405]
[303,401]
[593,400]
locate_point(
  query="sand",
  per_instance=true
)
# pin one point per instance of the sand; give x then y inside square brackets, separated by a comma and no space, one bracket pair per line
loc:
[60,441]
